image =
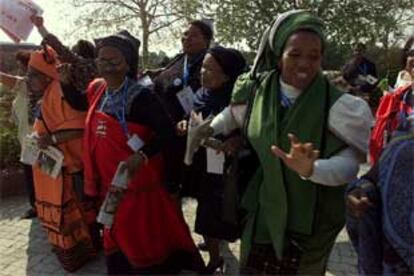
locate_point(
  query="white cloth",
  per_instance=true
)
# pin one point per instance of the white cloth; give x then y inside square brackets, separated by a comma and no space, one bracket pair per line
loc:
[337,170]
[20,109]
[229,119]
[350,119]
[289,91]
[403,79]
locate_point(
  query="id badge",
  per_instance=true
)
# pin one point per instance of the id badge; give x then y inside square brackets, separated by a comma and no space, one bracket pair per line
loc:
[215,161]
[145,81]
[135,143]
[185,97]
[371,79]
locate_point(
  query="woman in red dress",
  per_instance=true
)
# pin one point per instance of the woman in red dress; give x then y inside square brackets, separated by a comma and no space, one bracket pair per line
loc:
[148,234]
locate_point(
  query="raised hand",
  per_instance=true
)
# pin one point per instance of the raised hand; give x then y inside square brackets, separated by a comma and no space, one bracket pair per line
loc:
[357,203]
[37,20]
[198,131]
[181,128]
[300,157]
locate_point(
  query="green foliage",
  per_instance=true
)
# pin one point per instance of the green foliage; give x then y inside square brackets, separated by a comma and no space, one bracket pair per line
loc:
[157,60]
[144,17]
[380,24]
[240,23]
[9,147]
[347,22]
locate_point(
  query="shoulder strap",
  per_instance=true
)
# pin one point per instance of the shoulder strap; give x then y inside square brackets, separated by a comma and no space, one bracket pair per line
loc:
[94,90]
[49,132]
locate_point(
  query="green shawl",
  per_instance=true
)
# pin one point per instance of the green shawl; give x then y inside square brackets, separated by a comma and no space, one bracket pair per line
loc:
[287,202]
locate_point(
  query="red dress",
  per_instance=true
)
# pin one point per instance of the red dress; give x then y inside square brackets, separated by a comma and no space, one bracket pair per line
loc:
[147,227]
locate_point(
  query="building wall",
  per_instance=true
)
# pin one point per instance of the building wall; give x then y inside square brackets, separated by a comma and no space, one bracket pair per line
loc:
[8,52]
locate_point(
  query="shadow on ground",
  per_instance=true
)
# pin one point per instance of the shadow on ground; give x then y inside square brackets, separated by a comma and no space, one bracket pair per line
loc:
[42,261]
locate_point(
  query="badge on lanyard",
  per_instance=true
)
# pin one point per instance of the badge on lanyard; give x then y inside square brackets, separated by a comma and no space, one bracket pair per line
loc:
[371,79]
[215,161]
[119,114]
[186,95]
[135,143]
[177,82]
[145,81]
[186,99]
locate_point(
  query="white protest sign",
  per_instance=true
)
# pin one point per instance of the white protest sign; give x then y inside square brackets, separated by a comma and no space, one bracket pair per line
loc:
[15,18]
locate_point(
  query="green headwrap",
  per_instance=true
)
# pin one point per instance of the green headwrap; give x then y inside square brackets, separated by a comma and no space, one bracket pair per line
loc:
[275,37]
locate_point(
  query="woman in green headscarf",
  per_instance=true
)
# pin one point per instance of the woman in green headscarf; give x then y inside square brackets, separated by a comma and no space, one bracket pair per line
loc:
[310,139]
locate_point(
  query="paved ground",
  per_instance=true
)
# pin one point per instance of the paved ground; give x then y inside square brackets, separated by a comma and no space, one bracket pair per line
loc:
[24,249]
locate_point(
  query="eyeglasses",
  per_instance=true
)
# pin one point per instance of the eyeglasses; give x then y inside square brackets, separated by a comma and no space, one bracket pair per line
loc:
[108,62]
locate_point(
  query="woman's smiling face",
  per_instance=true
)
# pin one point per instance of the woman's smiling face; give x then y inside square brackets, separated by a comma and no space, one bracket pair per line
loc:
[301,59]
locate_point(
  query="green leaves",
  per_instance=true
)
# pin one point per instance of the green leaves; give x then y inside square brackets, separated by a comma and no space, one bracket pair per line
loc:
[347,21]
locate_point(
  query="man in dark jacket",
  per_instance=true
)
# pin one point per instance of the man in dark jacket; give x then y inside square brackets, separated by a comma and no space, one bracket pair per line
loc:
[360,72]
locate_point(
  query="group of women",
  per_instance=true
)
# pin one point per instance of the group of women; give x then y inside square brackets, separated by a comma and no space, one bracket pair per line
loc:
[307,136]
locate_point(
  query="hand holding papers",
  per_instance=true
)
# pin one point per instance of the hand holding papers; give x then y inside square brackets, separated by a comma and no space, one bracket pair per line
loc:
[114,195]
[49,160]
[198,130]
[30,151]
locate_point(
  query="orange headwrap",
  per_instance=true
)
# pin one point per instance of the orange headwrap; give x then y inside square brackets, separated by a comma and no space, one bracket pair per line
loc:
[45,62]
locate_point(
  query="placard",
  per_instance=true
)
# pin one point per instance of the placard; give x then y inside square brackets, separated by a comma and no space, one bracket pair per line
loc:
[15,18]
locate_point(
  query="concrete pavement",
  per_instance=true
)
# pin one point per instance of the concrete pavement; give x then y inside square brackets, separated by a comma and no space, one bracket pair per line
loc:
[24,249]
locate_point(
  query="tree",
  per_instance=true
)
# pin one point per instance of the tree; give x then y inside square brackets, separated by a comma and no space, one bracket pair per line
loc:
[147,16]
[347,21]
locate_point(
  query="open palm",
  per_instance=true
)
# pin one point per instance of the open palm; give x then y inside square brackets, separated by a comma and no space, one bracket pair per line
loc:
[300,157]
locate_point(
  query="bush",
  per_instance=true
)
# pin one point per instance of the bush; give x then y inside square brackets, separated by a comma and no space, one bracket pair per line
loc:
[9,148]
[9,145]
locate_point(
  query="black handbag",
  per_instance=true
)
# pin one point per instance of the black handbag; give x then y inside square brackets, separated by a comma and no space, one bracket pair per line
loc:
[239,171]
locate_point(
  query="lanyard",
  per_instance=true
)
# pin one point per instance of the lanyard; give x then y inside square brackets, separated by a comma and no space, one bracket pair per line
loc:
[364,69]
[120,115]
[284,100]
[186,68]
[186,71]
